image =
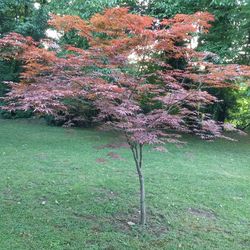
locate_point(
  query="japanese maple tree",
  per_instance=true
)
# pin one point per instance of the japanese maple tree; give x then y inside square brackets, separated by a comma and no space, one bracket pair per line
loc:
[139,74]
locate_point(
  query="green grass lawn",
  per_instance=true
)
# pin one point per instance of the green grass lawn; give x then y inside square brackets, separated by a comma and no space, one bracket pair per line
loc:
[73,189]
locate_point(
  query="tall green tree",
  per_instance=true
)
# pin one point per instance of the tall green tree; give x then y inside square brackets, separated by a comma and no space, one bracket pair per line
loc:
[82,8]
[28,17]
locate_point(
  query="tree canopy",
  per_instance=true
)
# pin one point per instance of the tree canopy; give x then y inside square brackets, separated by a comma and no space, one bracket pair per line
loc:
[228,39]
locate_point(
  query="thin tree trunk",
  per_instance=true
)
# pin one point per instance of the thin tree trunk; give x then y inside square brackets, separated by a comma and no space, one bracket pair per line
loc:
[138,162]
[143,216]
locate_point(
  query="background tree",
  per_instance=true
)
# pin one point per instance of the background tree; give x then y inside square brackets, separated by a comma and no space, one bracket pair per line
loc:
[28,19]
[229,35]
[228,39]
[239,114]
[83,8]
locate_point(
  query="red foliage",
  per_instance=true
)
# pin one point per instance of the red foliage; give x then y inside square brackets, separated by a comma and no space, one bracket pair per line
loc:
[67,23]
[13,45]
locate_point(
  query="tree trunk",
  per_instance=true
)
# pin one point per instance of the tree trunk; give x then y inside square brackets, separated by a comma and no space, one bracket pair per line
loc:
[143,215]
[137,153]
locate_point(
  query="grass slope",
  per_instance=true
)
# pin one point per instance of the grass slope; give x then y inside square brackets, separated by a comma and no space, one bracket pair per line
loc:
[59,190]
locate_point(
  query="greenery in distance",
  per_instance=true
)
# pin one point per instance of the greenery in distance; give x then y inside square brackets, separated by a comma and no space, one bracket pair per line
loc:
[73,189]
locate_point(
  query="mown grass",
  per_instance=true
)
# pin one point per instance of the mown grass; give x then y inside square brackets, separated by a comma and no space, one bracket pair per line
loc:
[61,189]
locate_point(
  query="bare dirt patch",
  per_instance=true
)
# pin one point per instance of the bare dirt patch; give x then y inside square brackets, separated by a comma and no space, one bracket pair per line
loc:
[101,160]
[202,213]
[87,217]
[129,222]
[160,149]
[114,156]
